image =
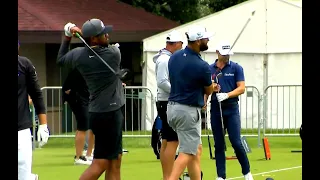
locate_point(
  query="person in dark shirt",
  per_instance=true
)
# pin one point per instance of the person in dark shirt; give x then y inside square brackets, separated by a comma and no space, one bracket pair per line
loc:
[106,94]
[28,85]
[75,93]
[190,79]
[232,85]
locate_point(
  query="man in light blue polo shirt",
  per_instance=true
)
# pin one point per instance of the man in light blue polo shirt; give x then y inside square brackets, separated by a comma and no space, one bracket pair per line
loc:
[190,79]
[232,85]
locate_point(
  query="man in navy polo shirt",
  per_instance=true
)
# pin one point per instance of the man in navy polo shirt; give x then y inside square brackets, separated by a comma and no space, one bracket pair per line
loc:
[232,85]
[190,79]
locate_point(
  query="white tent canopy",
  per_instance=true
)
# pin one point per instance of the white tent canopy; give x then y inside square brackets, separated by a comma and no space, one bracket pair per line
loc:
[275,28]
[269,49]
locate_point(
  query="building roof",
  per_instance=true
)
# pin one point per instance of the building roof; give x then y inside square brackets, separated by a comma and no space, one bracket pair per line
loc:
[52,15]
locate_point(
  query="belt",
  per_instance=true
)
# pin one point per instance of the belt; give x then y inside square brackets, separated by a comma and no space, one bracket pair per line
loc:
[173,103]
[225,104]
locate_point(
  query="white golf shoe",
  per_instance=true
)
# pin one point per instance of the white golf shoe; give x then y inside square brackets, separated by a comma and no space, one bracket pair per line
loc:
[248,176]
[82,161]
[89,158]
[124,151]
[84,152]
[34,177]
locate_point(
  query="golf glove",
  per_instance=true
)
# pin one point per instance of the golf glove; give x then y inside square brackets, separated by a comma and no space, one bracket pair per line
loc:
[67,29]
[43,134]
[222,96]
[116,45]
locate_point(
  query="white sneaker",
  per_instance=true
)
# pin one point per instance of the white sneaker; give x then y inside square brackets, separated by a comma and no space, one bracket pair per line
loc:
[124,151]
[34,177]
[84,152]
[248,176]
[219,178]
[89,158]
[82,161]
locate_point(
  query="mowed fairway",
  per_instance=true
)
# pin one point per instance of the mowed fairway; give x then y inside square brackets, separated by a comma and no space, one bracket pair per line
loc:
[55,161]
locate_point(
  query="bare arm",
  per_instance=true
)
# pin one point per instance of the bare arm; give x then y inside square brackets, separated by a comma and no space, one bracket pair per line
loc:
[208,90]
[241,87]
[30,100]
[205,98]
[238,91]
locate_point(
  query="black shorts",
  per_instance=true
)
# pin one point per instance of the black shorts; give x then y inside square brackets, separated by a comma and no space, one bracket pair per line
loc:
[167,132]
[107,128]
[80,111]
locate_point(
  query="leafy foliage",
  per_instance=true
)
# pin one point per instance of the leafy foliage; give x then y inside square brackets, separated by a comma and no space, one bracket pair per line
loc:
[183,11]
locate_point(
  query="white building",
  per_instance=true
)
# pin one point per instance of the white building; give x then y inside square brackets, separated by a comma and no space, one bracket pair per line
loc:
[269,49]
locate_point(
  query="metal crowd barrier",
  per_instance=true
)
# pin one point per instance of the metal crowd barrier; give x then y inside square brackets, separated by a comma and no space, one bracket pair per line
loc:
[250,114]
[139,111]
[282,110]
[276,112]
[139,115]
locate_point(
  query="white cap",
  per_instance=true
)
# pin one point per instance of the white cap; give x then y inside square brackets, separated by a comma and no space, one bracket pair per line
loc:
[174,36]
[197,33]
[224,48]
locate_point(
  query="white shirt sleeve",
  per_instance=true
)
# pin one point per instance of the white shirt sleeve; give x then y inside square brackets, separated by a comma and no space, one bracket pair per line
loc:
[163,73]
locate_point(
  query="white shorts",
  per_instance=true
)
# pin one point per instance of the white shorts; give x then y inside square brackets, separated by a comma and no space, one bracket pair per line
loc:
[24,154]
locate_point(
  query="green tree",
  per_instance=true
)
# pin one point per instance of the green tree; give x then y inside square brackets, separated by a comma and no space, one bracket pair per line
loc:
[183,11]
[218,5]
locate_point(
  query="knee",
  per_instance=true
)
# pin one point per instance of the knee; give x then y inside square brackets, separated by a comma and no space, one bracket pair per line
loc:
[236,143]
[115,165]
[219,143]
[114,168]
[219,147]
[199,150]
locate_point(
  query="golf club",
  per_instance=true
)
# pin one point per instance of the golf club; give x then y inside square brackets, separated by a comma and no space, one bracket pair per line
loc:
[121,75]
[220,108]
[252,14]
[207,132]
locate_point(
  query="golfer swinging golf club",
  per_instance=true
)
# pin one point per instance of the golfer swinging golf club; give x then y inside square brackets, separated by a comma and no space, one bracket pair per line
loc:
[190,79]
[232,84]
[169,136]
[106,93]
[28,84]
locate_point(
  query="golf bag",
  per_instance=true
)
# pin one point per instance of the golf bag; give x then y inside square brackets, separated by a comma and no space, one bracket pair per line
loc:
[156,138]
[300,132]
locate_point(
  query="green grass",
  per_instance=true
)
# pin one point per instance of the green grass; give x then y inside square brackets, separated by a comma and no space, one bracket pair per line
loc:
[248,131]
[55,160]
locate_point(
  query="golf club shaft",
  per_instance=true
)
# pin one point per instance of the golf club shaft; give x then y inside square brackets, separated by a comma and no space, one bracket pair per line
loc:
[244,27]
[208,135]
[221,117]
[111,69]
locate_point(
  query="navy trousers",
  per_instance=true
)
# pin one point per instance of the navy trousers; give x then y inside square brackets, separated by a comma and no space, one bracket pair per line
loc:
[232,124]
